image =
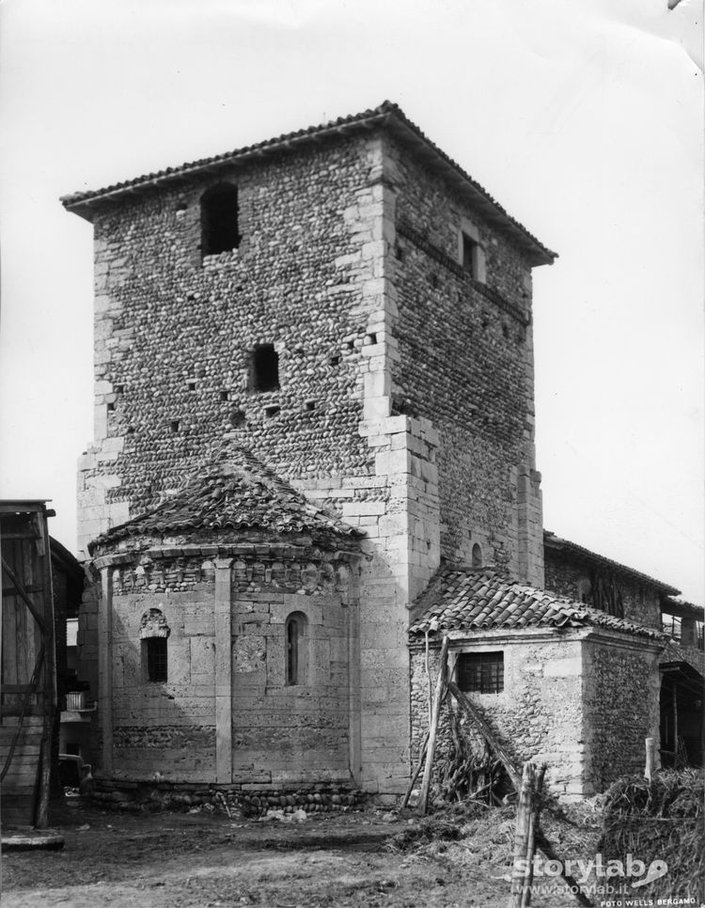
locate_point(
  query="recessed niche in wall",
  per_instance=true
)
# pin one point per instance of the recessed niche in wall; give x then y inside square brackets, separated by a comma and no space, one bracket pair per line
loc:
[270,412]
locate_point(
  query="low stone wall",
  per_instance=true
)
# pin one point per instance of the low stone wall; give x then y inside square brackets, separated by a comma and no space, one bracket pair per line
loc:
[157,795]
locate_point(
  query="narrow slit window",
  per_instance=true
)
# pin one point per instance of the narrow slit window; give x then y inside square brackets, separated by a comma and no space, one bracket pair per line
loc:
[295,650]
[470,255]
[481,673]
[219,220]
[264,368]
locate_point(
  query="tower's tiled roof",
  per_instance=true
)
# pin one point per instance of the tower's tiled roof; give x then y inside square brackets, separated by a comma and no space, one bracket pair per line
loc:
[387,115]
[478,600]
[237,492]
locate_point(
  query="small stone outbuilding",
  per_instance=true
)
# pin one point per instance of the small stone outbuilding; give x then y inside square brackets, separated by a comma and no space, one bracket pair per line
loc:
[559,681]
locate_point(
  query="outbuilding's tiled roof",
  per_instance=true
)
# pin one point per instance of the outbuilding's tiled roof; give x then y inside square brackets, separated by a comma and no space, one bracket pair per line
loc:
[478,600]
[237,492]
[387,115]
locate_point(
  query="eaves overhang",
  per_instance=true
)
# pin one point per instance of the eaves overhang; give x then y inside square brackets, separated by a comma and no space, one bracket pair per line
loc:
[387,116]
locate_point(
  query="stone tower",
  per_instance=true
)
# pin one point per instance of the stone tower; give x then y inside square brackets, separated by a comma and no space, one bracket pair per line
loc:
[354,310]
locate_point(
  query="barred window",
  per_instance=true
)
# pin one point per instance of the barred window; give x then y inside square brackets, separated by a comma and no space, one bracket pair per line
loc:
[154,634]
[481,672]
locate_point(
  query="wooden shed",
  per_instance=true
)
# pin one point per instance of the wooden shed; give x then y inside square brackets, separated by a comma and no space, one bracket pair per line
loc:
[28,693]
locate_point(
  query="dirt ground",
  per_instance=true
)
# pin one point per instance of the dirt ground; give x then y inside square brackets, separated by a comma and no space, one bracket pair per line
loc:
[365,858]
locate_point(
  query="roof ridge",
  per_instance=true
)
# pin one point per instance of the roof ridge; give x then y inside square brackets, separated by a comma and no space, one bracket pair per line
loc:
[388,112]
[220,495]
[500,602]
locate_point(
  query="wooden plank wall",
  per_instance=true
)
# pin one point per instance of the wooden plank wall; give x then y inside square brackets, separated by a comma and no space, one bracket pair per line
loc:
[25,550]
[20,784]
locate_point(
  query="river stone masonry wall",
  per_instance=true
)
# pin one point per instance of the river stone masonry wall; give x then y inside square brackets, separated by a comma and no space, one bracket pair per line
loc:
[405,387]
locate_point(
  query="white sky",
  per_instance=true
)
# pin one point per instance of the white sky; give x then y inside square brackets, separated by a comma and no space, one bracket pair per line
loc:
[583,118]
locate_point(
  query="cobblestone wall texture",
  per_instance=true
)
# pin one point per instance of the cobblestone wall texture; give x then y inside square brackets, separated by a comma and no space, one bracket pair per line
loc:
[622,688]
[173,337]
[465,361]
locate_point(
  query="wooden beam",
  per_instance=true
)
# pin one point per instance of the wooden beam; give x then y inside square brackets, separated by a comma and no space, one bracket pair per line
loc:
[495,745]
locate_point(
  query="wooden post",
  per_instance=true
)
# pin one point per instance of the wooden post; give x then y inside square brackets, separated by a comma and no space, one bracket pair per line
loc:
[433,731]
[497,748]
[49,685]
[650,759]
[522,836]
[415,776]
[531,843]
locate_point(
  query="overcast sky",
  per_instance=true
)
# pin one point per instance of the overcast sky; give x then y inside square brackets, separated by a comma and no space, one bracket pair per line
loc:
[583,118]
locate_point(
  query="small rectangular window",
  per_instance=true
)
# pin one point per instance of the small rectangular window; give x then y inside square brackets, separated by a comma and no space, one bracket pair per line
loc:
[482,673]
[157,660]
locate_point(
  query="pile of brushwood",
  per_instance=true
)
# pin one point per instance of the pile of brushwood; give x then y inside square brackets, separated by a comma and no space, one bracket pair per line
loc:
[472,832]
[661,820]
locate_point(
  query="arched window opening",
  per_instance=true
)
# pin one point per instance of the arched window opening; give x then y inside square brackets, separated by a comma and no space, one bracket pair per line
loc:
[219,220]
[295,649]
[264,368]
[476,556]
[154,634]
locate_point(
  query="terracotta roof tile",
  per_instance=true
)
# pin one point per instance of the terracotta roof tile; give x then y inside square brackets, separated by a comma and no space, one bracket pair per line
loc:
[236,492]
[469,600]
[388,115]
